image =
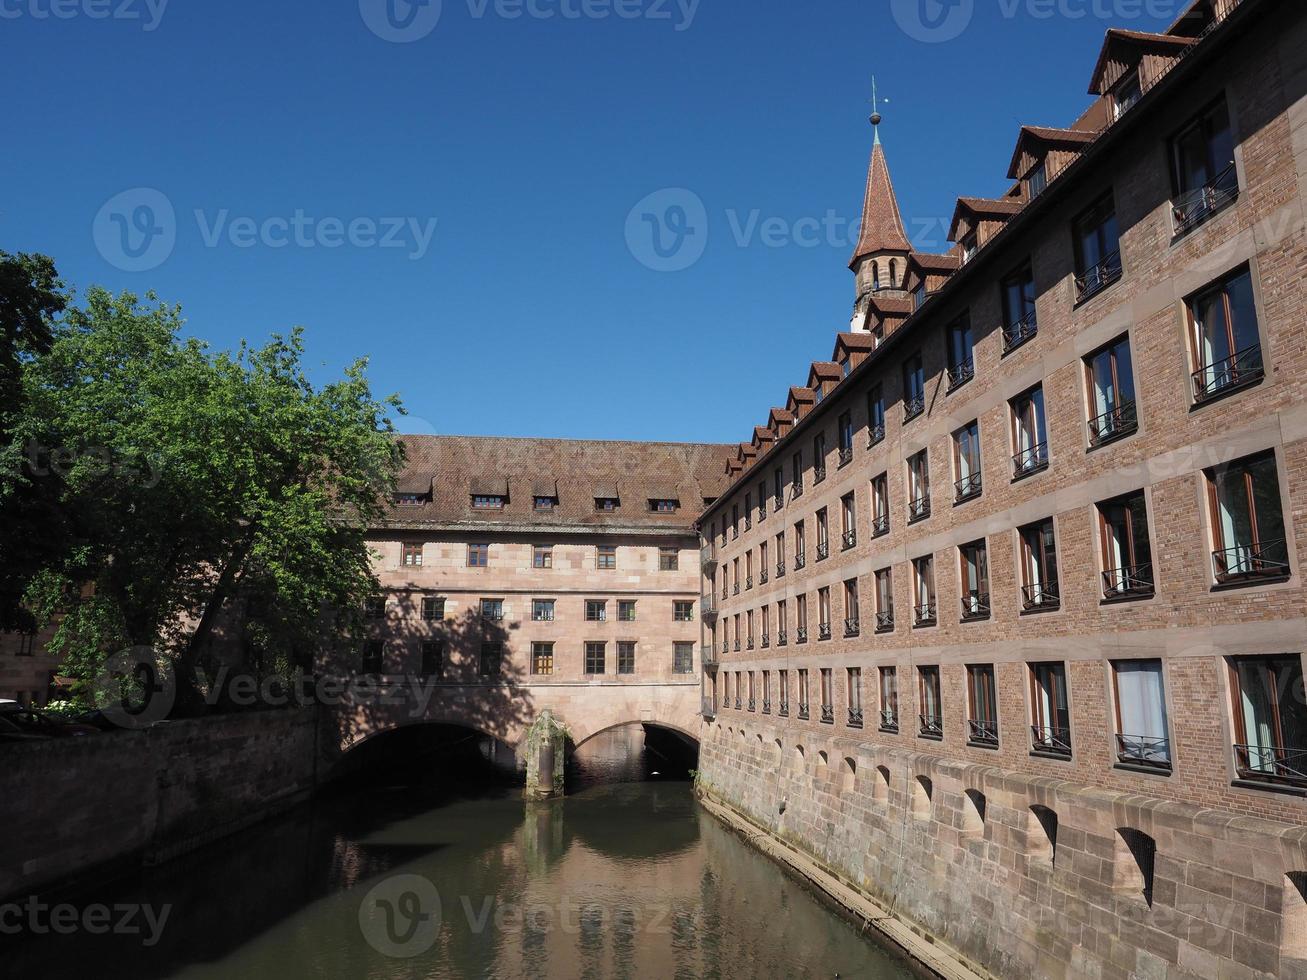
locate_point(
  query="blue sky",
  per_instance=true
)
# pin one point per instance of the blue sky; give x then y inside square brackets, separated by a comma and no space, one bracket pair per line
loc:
[446,187]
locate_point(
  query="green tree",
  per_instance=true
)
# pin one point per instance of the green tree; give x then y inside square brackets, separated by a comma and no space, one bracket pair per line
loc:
[206,497]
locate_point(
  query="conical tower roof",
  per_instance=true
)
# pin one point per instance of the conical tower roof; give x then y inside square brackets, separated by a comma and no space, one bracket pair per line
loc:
[882,225]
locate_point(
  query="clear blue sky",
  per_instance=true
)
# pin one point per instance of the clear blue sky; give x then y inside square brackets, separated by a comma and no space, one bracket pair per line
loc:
[529,140]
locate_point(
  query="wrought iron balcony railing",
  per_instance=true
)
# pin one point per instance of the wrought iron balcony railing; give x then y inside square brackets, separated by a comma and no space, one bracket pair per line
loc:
[1020,332]
[1196,206]
[796,489]
[784,709]
[748,582]
[1029,461]
[782,638]
[1043,596]
[1144,750]
[828,714]
[1054,741]
[846,455]
[823,631]
[803,710]
[919,509]
[726,646]
[766,706]
[1235,371]
[780,569]
[885,622]
[1132,580]
[735,589]
[912,407]
[932,726]
[1096,279]
[1273,763]
[960,373]
[753,705]
[778,503]
[823,550]
[852,627]
[889,720]
[748,521]
[799,561]
[975,605]
[801,635]
[982,732]
[766,641]
[819,473]
[1245,562]
[1117,422]
[737,646]
[762,575]
[923,614]
[967,488]
[738,703]
[850,539]
[762,510]
[749,643]
[880,525]
[875,435]
[542,615]
[855,717]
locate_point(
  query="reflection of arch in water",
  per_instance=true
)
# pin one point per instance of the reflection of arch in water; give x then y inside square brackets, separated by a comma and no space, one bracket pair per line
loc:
[632,751]
[425,744]
[599,819]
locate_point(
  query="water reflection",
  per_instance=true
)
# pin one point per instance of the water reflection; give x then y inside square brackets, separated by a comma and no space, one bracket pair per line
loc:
[628,880]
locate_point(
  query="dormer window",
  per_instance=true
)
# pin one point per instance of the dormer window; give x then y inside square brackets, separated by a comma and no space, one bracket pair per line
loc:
[488,502]
[919,296]
[845,366]
[970,245]
[664,506]
[818,395]
[1037,180]
[545,503]
[606,504]
[411,499]
[1127,92]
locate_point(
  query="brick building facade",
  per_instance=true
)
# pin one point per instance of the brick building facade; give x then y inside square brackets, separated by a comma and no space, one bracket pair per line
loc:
[1008,598]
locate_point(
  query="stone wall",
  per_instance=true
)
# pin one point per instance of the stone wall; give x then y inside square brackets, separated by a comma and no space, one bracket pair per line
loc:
[1027,876]
[75,807]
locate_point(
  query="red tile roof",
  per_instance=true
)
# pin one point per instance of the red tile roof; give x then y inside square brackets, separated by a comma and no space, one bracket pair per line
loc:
[1117,40]
[1002,208]
[1048,136]
[882,225]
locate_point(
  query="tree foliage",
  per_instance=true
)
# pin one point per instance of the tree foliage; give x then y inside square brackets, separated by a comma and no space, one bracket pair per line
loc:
[201,497]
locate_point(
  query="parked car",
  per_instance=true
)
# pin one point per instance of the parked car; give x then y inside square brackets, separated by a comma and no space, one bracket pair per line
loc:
[14,718]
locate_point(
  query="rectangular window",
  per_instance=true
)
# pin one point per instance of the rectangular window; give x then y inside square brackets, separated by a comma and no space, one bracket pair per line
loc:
[542,556]
[594,657]
[880,505]
[780,555]
[778,489]
[961,354]
[1142,734]
[492,659]
[1247,520]
[762,500]
[783,691]
[374,607]
[918,486]
[1020,322]
[626,610]
[766,692]
[827,696]
[606,557]
[1050,710]
[664,506]
[1125,94]
[544,503]
[542,610]
[1110,379]
[799,548]
[412,553]
[596,610]
[433,609]
[606,504]
[974,560]
[492,610]
[1029,433]
[931,719]
[875,416]
[823,613]
[1039,585]
[923,587]
[748,511]
[433,658]
[1127,553]
[1227,347]
[625,657]
[748,569]
[966,462]
[852,613]
[1098,249]
[918,296]
[802,680]
[889,699]
[846,438]
[748,619]
[371,661]
[488,502]
[763,567]
[1270,718]
[819,457]
[764,620]
[796,476]
[914,388]
[848,522]
[884,601]
[542,658]
[801,618]
[682,658]
[982,706]
[1202,168]
[683,610]
[478,555]
[1037,179]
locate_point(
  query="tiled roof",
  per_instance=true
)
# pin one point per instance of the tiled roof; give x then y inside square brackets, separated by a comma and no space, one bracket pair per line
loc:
[882,225]
[453,468]
[1117,38]
[1003,208]
[853,342]
[891,305]
[779,415]
[1047,135]
[931,262]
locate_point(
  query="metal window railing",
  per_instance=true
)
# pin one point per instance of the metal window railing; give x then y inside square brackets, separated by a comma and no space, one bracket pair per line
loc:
[846,455]
[889,720]
[982,731]
[801,635]
[1144,750]
[959,374]
[919,509]
[850,539]
[1030,460]
[799,561]
[914,406]
[782,638]
[967,487]
[1130,580]
[975,605]
[1016,334]
[784,709]
[1055,741]
[875,435]
[780,569]
[1094,280]
[1266,559]
[1275,763]
[885,622]
[1120,420]
[1194,207]
[803,710]
[880,525]
[1043,596]
[823,631]
[852,627]
[823,550]
[924,614]
[828,714]
[855,717]
[819,473]
[931,725]
[1239,369]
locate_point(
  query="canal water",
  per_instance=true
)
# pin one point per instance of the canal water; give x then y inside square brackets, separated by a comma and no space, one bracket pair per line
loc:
[400,880]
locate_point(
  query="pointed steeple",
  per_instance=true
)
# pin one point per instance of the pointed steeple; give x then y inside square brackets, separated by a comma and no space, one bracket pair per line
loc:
[882,225]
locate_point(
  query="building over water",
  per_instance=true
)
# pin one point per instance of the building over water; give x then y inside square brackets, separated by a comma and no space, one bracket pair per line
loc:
[1006,599]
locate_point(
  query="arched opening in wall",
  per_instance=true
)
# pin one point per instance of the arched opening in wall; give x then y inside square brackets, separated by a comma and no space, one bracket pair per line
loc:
[880,790]
[799,758]
[848,776]
[894,273]
[429,752]
[922,791]
[1132,864]
[1041,834]
[973,813]
[823,762]
[780,752]
[630,753]
[1293,923]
